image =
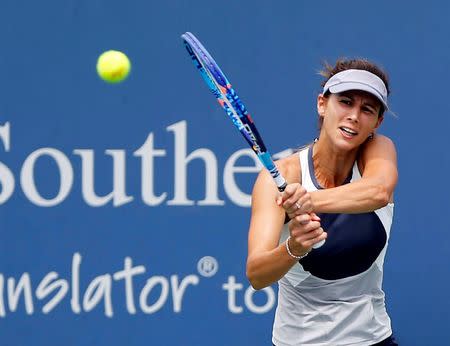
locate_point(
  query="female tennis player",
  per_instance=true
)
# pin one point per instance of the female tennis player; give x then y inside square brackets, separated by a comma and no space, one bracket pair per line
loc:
[340,190]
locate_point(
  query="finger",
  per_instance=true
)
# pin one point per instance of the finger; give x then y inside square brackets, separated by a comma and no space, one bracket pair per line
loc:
[305,202]
[296,229]
[315,233]
[293,194]
[279,200]
[315,217]
[309,242]
[318,239]
[289,191]
[306,207]
[305,232]
[292,209]
[311,226]
[290,204]
[303,219]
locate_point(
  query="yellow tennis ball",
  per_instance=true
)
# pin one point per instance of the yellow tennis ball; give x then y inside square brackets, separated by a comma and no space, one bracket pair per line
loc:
[113,66]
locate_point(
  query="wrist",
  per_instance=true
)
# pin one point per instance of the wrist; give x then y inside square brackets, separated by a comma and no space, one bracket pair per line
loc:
[293,254]
[316,202]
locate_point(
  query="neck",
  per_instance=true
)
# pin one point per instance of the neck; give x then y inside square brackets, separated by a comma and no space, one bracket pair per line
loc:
[331,166]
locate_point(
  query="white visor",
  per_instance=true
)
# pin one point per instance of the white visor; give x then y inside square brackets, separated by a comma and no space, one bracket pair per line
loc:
[358,80]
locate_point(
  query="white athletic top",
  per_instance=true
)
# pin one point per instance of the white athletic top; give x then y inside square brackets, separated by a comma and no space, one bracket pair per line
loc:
[333,296]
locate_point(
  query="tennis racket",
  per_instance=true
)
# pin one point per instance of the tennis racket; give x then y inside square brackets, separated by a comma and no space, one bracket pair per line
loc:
[233,106]
[231,103]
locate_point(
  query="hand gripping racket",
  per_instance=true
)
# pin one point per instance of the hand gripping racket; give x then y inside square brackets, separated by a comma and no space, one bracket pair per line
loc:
[233,106]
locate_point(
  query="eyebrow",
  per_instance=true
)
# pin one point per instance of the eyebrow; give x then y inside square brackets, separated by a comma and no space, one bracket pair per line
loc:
[371,103]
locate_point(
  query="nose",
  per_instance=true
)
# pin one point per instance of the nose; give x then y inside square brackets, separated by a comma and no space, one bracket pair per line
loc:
[353,114]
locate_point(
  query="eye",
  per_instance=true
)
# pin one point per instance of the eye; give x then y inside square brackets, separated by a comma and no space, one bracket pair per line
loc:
[368,110]
[347,102]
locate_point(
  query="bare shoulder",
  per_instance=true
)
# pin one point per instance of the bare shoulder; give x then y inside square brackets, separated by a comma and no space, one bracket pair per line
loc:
[378,141]
[380,148]
[379,145]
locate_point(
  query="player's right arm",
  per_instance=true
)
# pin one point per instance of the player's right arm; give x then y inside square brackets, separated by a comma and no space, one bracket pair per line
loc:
[268,261]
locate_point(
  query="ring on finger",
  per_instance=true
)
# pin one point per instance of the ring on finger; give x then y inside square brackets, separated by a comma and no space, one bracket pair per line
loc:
[297,205]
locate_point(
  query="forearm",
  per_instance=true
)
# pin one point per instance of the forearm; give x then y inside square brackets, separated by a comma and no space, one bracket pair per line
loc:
[265,268]
[362,196]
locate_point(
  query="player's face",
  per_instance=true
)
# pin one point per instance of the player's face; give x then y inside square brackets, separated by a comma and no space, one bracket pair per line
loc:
[349,118]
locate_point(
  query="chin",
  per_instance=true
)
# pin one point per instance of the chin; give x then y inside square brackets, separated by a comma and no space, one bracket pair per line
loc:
[344,144]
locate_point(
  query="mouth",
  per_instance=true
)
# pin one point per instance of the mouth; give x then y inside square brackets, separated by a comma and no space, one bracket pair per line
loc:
[347,132]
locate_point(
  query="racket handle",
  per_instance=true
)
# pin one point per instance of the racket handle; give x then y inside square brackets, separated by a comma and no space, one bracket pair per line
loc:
[282,187]
[319,244]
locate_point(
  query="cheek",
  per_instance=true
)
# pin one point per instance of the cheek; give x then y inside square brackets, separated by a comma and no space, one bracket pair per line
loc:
[328,121]
[334,115]
[370,122]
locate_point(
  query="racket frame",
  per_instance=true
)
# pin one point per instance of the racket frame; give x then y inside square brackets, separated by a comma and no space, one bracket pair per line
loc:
[227,97]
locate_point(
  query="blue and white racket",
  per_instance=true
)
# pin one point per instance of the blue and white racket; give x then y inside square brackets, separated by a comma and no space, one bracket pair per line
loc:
[230,102]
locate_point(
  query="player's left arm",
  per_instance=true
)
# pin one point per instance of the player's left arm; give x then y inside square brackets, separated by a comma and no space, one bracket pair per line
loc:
[378,164]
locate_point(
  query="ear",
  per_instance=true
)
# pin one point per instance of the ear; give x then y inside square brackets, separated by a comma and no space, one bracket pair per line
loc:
[379,121]
[321,105]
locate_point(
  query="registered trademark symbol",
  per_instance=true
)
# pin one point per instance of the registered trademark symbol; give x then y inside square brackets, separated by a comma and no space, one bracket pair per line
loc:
[207,266]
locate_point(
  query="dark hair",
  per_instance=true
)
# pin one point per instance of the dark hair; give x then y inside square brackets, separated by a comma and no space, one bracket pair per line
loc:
[343,64]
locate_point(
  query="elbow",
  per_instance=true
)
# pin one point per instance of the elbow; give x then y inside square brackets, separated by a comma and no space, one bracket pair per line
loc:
[381,196]
[254,280]
[257,285]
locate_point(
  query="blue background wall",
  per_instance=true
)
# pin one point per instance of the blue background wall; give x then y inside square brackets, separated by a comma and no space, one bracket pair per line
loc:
[51,97]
